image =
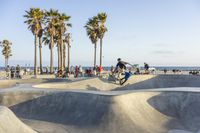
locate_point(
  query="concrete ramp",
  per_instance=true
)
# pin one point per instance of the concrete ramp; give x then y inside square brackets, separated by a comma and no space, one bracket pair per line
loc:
[136,82]
[97,110]
[9,123]
[86,84]
[161,81]
[136,112]
[93,83]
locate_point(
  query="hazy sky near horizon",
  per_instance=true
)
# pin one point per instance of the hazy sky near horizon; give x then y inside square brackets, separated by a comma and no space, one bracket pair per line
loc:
[160,32]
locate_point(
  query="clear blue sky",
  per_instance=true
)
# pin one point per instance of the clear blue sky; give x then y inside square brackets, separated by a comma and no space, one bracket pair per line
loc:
[160,32]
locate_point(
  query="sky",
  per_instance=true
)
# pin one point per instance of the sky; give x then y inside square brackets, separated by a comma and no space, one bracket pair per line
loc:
[159,32]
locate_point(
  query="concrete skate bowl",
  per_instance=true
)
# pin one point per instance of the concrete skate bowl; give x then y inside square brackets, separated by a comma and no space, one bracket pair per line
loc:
[92,83]
[164,81]
[78,112]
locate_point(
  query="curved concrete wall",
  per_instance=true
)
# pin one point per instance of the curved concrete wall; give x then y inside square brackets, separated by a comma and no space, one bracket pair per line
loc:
[141,112]
[9,123]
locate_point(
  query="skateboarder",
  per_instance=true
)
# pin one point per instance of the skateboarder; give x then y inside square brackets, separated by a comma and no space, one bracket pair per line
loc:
[120,67]
[126,77]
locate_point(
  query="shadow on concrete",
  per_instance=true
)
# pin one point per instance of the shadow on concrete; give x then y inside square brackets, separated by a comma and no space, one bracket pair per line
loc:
[77,109]
[60,80]
[89,87]
[183,107]
[108,81]
[165,81]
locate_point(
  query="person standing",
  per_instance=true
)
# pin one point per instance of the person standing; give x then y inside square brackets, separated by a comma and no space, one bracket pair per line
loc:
[18,71]
[12,72]
[80,70]
[146,68]
[8,72]
[76,72]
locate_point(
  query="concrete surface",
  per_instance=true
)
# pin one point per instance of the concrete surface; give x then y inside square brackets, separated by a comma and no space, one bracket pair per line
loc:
[146,104]
[97,84]
[9,123]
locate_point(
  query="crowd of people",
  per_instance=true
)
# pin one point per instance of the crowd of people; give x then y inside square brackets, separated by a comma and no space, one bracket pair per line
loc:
[78,71]
[13,72]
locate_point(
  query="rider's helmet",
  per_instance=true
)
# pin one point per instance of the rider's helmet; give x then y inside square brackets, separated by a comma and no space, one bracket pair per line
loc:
[119,59]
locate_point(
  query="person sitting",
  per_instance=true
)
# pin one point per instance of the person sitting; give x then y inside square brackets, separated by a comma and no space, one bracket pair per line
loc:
[111,69]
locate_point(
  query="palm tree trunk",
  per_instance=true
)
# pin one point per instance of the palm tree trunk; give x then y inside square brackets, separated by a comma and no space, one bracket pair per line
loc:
[101,41]
[68,61]
[64,56]
[61,54]
[58,47]
[40,48]
[51,61]
[95,54]
[51,55]
[5,62]
[35,57]
[68,53]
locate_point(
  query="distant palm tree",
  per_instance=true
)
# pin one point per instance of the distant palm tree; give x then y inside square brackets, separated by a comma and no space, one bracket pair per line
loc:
[51,18]
[6,50]
[34,20]
[102,29]
[92,32]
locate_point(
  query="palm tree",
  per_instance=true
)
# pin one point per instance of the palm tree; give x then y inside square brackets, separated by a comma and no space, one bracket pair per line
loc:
[51,21]
[64,54]
[65,42]
[57,41]
[34,20]
[92,32]
[62,27]
[68,49]
[46,39]
[40,48]
[101,32]
[6,50]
